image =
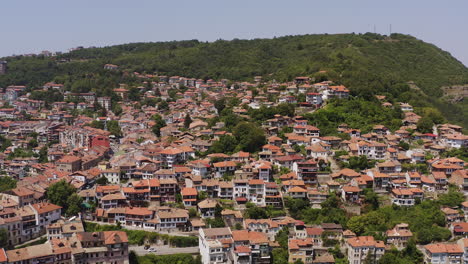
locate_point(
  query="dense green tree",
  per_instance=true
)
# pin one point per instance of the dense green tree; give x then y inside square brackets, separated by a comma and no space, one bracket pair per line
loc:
[187,120]
[461,153]
[73,204]
[359,163]
[453,198]
[7,183]
[59,192]
[43,155]
[102,181]
[403,145]
[163,106]
[425,124]
[255,212]
[220,104]
[250,136]
[226,144]
[280,256]
[97,124]
[371,199]
[3,238]
[159,123]
[134,94]
[114,128]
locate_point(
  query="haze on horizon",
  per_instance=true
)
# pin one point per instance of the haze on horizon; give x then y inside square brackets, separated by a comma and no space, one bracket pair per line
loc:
[33,26]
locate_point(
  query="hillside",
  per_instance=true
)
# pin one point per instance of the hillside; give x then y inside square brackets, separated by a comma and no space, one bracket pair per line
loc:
[368,64]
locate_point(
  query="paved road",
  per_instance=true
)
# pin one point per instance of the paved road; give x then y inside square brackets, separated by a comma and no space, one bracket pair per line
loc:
[164,250]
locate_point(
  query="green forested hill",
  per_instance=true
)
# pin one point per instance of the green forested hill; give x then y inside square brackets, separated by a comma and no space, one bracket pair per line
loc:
[367,63]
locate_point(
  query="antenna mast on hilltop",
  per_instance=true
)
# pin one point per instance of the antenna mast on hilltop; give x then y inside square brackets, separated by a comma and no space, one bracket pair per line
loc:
[374,29]
[390,30]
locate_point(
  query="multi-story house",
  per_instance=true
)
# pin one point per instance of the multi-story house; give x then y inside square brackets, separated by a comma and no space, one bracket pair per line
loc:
[315,233]
[46,214]
[13,225]
[199,168]
[360,247]
[137,216]
[168,189]
[241,188]
[443,253]
[272,195]
[112,175]
[306,171]
[226,190]
[64,229]
[301,249]
[456,140]
[189,196]
[170,156]
[207,207]
[104,247]
[257,242]
[69,164]
[391,166]
[399,235]
[314,99]
[172,219]
[256,193]
[264,172]
[113,200]
[215,245]
[224,167]
[406,197]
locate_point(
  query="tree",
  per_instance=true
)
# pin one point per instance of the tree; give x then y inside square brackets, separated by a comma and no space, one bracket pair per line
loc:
[218,210]
[425,124]
[250,137]
[102,181]
[134,94]
[255,212]
[370,258]
[157,92]
[192,212]
[43,152]
[163,106]
[32,143]
[226,144]
[187,120]
[59,192]
[7,183]
[3,238]
[5,143]
[74,204]
[238,226]
[97,124]
[451,199]
[202,195]
[117,109]
[371,199]
[403,145]
[114,128]
[220,104]
[159,123]
[359,163]
[280,256]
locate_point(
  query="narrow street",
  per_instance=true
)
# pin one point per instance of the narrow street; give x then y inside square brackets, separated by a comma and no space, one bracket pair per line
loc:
[163,250]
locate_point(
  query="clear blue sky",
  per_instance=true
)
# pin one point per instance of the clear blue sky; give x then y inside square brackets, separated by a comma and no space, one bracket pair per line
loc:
[56,25]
